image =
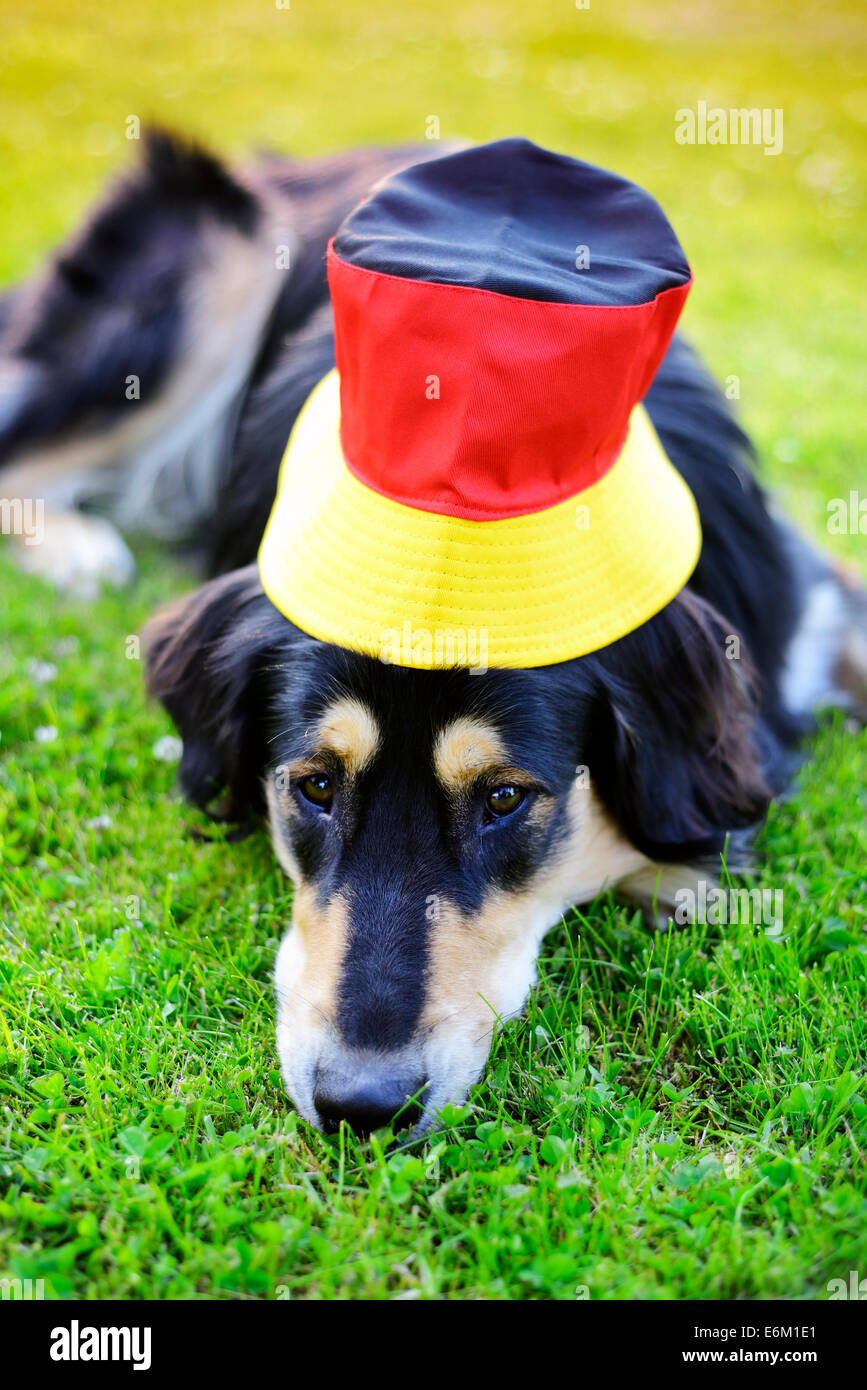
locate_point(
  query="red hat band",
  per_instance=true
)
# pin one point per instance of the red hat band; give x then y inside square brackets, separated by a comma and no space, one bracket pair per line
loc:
[471,403]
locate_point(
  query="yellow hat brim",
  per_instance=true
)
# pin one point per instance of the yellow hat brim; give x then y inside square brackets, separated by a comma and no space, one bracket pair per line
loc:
[417,588]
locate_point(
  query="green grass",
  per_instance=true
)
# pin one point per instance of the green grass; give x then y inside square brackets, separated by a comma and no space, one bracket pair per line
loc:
[678,1116]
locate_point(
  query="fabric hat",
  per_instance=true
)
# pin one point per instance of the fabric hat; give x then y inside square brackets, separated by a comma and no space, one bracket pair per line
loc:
[477,475]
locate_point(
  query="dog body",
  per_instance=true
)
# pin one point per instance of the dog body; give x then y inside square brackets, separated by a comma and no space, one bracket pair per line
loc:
[435,823]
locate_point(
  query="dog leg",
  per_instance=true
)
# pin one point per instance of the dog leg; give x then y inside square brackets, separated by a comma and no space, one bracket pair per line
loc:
[826,662]
[74,551]
[655,890]
[850,670]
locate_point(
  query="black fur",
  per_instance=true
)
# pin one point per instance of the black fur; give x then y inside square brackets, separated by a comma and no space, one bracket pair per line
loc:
[684,745]
[206,660]
[668,727]
[744,549]
[251,467]
[298,347]
[674,741]
[663,721]
[110,304]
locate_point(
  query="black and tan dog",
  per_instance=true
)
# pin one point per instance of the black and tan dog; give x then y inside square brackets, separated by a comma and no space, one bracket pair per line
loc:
[435,823]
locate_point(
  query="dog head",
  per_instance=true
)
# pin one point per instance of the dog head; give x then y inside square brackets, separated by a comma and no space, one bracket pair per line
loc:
[436,823]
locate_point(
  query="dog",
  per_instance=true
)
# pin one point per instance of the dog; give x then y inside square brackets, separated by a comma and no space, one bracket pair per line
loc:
[435,823]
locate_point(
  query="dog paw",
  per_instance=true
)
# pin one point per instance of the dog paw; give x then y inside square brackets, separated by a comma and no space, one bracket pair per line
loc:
[76,553]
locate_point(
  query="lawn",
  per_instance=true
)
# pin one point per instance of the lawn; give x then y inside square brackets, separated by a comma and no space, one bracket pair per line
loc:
[679,1115]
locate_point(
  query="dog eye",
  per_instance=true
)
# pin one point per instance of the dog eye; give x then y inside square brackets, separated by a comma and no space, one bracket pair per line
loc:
[502,801]
[317,789]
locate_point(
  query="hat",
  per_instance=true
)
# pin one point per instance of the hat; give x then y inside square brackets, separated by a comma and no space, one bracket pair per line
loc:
[477,474]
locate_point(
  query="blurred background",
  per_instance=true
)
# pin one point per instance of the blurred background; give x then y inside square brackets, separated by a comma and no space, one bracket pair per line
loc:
[776,241]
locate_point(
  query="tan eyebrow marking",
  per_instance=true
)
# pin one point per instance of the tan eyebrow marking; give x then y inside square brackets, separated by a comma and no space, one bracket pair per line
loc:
[349,730]
[465,748]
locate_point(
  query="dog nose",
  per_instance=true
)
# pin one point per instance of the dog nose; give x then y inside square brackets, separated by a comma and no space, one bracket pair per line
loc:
[367,1106]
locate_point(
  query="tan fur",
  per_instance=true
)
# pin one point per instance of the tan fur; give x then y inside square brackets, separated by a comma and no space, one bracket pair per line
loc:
[349,730]
[465,748]
[324,934]
[310,960]
[307,981]
[850,673]
[281,810]
[228,303]
[480,966]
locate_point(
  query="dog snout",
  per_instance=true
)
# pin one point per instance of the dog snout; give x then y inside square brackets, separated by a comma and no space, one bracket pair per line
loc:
[368,1103]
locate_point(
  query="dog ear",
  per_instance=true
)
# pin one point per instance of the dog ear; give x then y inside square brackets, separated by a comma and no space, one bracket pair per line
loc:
[205,656]
[675,744]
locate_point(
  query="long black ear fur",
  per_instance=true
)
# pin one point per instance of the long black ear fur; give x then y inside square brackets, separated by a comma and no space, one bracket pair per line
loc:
[205,660]
[676,745]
